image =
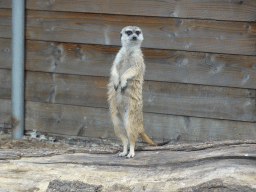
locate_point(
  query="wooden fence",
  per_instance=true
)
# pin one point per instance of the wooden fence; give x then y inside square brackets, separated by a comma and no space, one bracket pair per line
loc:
[200,60]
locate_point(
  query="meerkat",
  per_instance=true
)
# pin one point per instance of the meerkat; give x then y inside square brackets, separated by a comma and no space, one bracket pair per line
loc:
[125,90]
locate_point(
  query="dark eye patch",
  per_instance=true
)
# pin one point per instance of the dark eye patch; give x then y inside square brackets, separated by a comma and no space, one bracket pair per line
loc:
[138,33]
[128,33]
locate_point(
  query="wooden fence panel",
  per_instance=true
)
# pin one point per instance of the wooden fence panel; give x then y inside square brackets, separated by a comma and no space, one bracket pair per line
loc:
[66,81]
[5,84]
[5,53]
[5,4]
[70,58]
[5,113]
[235,10]
[161,97]
[69,120]
[158,97]
[5,23]
[39,87]
[162,33]
[199,101]
[161,65]
[96,123]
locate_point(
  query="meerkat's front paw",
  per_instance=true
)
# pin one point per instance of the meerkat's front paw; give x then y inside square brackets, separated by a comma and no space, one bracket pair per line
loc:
[115,87]
[130,155]
[123,85]
[116,82]
[123,89]
[122,154]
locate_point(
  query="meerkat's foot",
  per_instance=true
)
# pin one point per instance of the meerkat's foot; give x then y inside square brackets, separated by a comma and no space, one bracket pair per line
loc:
[122,154]
[130,155]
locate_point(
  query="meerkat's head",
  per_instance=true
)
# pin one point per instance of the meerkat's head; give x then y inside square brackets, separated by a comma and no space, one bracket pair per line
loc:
[131,36]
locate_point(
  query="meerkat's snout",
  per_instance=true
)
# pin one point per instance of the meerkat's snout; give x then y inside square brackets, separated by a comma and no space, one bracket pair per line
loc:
[134,38]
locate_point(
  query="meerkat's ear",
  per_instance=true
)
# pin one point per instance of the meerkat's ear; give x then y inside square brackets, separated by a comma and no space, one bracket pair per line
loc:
[120,35]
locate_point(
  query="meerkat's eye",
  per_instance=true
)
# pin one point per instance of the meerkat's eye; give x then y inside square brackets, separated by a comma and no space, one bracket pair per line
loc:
[138,33]
[128,33]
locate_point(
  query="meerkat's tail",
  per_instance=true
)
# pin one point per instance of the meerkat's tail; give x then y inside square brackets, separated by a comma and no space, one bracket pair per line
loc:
[146,139]
[149,141]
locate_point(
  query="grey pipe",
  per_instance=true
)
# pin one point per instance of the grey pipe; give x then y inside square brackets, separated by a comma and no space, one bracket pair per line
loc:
[18,47]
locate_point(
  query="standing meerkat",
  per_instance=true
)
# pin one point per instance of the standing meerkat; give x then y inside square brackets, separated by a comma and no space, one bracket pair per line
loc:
[125,90]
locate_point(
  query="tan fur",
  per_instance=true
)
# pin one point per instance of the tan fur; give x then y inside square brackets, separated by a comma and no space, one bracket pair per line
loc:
[126,106]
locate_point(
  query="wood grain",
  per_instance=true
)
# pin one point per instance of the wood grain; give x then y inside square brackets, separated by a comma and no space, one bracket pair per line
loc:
[234,10]
[5,53]
[39,87]
[5,83]
[5,23]
[158,97]
[199,101]
[95,123]
[162,33]
[5,113]
[161,65]
[70,120]
[5,4]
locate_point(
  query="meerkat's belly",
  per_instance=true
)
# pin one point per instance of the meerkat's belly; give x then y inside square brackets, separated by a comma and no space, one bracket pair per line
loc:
[122,98]
[122,102]
[123,67]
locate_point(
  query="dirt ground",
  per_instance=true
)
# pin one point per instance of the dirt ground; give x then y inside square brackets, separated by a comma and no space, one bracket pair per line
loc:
[37,163]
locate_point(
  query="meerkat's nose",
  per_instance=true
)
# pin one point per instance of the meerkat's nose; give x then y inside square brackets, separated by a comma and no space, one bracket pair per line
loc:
[134,38]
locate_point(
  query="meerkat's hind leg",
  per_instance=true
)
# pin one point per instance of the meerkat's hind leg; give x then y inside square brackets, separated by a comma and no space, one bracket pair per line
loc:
[132,135]
[125,150]
[132,147]
[121,134]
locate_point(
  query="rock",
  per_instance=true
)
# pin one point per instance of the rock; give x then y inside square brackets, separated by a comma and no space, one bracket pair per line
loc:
[58,185]
[217,185]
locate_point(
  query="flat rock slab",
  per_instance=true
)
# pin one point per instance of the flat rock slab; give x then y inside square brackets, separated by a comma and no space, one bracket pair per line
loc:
[58,185]
[217,185]
[157,158]
[226,168]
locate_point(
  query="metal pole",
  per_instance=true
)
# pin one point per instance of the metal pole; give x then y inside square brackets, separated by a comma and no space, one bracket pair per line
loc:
[18,43]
